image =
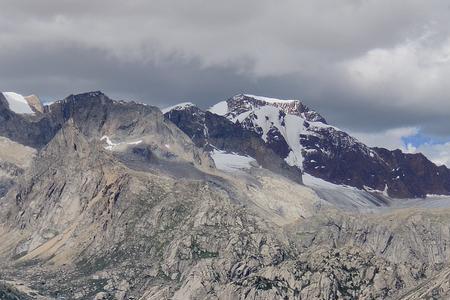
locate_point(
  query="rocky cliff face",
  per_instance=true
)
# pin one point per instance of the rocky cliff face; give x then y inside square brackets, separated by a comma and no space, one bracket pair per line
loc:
[113,201]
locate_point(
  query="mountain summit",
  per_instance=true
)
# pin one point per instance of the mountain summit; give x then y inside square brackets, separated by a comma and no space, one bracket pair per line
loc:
[236,107]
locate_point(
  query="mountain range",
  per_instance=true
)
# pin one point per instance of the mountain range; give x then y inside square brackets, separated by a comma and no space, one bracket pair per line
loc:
[253,198]
[303,139]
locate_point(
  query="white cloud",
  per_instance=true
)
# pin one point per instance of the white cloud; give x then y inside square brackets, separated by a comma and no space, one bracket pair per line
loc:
[414,73]
[263,38]
[390,139]
[437,153]
[365,64]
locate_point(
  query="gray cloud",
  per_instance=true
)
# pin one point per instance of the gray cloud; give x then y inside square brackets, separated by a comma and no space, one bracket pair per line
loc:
[368,65]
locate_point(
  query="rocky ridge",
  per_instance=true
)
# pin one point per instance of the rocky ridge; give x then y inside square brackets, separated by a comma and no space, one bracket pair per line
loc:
[118,218]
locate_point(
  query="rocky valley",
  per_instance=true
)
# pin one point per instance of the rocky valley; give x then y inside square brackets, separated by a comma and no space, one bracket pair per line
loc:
[254,198]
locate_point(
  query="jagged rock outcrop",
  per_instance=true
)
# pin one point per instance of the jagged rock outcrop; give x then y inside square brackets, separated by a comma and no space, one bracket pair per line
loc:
[35,103]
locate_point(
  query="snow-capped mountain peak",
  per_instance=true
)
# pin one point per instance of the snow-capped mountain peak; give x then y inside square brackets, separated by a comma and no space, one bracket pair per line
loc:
[239,106]
[280,123]
[178,106]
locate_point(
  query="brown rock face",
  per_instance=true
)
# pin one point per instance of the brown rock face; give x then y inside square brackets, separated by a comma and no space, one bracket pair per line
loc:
[35,103]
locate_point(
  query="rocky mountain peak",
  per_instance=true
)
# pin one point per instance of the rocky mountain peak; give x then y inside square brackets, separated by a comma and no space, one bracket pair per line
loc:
[243,103]
[179,106]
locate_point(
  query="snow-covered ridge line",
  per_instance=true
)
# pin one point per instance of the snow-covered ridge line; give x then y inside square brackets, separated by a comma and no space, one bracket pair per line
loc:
[245,103]
[17,103]
[220,108]
[178,106]
[271,100]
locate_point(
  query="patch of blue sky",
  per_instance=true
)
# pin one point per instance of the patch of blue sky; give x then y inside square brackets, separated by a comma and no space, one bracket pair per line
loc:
[419,139]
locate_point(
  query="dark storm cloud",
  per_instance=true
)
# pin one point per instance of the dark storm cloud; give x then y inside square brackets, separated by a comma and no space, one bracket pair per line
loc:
[367,65]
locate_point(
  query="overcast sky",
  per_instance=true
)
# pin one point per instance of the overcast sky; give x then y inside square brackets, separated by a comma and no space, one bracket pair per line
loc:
[378,68]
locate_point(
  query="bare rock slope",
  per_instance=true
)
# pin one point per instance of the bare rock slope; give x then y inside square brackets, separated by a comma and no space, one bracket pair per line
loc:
[116,202]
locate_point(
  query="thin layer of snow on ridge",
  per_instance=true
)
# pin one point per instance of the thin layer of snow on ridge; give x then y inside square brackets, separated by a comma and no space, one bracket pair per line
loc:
[50,102]
[111,145]
[220,108]
[342,196]
[431,202]
[434,196]
[178,106]
[231,162]
[270,100]
[18,103]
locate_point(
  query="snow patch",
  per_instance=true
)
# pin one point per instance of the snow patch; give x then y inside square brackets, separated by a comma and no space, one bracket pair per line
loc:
[342,196]
[437,196]
[220,108]
[231,162]
[270,100]
[111,145]
[18,103]
[179,106]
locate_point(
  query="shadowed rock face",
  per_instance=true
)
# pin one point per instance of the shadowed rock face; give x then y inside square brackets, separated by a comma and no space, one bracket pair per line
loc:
[337,157]
[96,116]
[416,173]
[93,113]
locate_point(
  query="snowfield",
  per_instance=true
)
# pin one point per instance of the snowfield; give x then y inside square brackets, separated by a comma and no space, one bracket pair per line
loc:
[220,108]
[111,145]
[270,100]
[178,106]
[230,162]
[18,103]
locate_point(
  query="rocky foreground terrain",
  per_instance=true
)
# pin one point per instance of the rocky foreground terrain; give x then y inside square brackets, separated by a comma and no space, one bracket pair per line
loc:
[104,199]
